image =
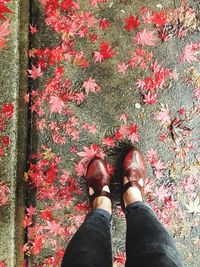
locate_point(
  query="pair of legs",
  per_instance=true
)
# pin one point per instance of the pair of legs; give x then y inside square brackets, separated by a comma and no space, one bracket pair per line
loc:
[147,241]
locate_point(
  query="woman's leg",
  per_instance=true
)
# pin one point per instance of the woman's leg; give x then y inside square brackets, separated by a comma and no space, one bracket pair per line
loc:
[147,241]
[91,245]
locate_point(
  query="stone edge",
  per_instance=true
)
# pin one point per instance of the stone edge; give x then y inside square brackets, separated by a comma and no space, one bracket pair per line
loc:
[22,139]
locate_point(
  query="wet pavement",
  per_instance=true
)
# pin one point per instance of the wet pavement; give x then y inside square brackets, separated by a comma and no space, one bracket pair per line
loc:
[62,131]
[90,71]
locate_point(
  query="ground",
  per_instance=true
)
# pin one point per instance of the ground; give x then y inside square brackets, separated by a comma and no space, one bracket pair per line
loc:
[105,76]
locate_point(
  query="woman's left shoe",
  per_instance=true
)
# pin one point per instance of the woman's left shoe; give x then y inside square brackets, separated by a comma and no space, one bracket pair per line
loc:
[97,177]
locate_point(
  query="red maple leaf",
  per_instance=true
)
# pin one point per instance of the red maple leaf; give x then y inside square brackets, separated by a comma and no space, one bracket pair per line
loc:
[37,245]
[46,214]
[33,29]
[124,118]
[122,132]
[31,211]
[78,97]
[35,72]
[8,110]
[4,9]
[90,128]
[26,98]
[161,192]
[51,175]
[4,31]
[152,156]
[146,38]
[159,165]
[131,23]
[67,4]
[89,19]
[78,219]
[2,152]
[108,141]
[170,203]
[91,86]
[90,152]
[122,67]
[163,116]
[140,57]
[56,104]
[82,207]
[80,169]
[133,133]
[55,228]
[4,193]
[98,56]
[159,18]
[155,162]
[189,53]
[150,98]
[106,50]
[93,37]
[5,140]
[27,221]
[104,24]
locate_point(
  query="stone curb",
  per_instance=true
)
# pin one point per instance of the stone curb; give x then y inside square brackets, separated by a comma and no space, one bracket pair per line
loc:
[14,84]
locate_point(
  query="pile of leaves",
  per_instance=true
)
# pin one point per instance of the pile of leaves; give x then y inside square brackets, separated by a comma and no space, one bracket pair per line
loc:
[61,190]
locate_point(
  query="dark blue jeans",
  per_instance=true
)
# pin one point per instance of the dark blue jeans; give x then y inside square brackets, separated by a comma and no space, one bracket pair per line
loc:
[147,241]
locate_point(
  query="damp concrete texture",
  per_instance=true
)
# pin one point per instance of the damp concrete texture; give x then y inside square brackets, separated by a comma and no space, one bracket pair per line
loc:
[13,85]
[119,95]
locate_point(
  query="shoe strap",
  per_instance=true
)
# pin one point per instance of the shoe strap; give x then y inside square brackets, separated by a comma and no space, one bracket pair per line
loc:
[132,183]
[126,186]
[100,194]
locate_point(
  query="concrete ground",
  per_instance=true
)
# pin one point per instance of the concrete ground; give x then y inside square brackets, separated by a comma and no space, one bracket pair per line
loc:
[56,196]
[13,86]
[119,95]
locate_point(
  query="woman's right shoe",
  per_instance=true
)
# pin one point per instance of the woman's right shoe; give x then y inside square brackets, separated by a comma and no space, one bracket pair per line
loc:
[135,170]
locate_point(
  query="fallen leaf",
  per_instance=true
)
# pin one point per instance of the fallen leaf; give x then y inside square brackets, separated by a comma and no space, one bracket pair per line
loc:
[146,38]
[193,206]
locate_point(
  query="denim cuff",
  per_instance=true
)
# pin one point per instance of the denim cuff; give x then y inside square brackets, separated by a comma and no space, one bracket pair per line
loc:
[103,213]
[138,204]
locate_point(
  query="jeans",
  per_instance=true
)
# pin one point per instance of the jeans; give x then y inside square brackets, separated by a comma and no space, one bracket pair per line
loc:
[147,241]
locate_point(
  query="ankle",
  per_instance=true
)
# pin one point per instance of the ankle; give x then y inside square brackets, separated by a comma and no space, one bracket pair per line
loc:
[102,202]
[132,195]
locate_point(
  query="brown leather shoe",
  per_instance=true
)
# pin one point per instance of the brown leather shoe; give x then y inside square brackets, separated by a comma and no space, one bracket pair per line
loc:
[135,170]
[97,177]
